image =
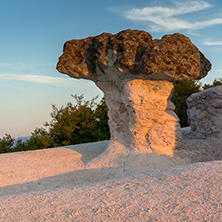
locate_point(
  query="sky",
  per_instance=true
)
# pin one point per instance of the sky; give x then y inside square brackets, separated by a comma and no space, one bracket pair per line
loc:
[33,33]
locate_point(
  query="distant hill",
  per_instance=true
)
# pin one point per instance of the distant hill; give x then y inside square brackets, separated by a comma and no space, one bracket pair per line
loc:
[23,138]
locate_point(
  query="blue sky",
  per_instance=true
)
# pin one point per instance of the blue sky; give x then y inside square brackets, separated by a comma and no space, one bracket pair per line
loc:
[33,33]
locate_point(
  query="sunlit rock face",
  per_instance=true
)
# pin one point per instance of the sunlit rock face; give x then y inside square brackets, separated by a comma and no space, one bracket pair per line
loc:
[205,113]
[137,75]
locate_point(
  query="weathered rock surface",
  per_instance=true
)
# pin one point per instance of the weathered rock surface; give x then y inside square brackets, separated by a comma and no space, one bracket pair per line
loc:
[205,113]
[137,76]
[134,52]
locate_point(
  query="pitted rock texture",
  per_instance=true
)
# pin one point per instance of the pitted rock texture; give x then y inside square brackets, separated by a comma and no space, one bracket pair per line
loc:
[205,113]
[173,57]
[137,76]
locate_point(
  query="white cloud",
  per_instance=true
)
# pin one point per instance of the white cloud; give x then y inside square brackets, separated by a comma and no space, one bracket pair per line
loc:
[216,43]
[66,82]
[167,19]
[33,78]
[41,79]
[218,71]
[4,64]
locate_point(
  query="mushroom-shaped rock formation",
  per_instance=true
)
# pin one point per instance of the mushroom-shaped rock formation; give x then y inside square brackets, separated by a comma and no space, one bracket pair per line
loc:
[137,75]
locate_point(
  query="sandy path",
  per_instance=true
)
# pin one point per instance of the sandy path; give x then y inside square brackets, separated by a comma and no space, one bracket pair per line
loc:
[22,167]
[53,185]
[183,193]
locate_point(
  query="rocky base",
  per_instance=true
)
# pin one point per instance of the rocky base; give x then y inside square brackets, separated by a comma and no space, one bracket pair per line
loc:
[117,156]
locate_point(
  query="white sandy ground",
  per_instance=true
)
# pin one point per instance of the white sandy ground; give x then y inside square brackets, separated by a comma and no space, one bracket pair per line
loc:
[53,185]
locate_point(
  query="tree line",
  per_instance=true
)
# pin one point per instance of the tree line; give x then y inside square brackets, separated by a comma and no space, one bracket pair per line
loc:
[87,121]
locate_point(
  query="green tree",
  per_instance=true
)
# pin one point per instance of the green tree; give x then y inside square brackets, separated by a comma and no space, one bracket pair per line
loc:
[6,143]
[19,145]
[73,124]
[182,90]
[215,83]
[39,139]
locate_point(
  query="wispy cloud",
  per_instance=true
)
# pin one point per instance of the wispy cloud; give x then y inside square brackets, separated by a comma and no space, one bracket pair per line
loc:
[4,64]
[33,78]
[57,81]
[215,43]
[167,18]
[22,66]
[218,71]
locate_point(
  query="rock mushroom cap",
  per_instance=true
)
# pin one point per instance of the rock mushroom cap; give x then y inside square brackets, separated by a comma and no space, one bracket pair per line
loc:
[174,57]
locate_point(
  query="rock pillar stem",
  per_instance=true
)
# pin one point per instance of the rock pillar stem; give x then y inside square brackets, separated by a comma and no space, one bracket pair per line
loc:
[141,115]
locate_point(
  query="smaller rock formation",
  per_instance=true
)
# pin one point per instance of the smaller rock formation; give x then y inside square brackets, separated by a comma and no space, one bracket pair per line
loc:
[205,113]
